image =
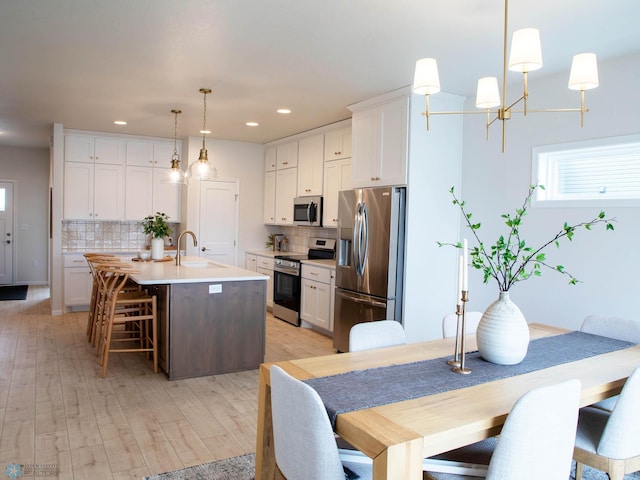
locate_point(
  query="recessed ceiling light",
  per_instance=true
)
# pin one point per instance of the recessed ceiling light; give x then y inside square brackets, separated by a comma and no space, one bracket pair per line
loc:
[206,132]
[120,122]
[252,124]
[284,111]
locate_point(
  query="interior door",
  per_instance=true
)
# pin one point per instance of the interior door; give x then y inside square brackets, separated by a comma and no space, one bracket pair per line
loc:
[6,233]
[219,220]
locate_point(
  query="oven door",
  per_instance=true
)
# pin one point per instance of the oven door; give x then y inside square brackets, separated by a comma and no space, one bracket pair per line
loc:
[286,297]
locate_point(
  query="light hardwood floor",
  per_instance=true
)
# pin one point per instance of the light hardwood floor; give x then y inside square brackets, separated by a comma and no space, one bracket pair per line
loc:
[55,408]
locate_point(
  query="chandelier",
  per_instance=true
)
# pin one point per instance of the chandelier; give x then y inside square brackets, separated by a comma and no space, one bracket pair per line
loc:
[202,169]
[176,175]
[525,56]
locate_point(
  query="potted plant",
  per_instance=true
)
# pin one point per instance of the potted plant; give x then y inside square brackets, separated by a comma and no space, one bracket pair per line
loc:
[503,334]
[157,226]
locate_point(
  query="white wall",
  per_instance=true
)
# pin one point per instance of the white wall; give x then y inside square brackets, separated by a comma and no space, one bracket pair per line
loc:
[29,167]
[234,161]
[494,183]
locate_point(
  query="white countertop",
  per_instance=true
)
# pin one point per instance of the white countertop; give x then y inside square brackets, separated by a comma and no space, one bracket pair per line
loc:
[201,271]
[322,263]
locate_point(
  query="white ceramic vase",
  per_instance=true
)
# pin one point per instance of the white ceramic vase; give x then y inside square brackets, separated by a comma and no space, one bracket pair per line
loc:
[157,248]
[503,333]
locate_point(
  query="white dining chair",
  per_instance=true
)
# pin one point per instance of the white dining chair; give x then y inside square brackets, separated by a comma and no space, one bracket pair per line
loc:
[378,334]
[613,327]
[450,324]
[304,443]
[608,441]
[536,441]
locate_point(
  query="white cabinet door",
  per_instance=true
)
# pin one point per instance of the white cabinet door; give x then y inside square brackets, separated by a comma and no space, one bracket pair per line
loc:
[78,148]
[286,182]
[108,192]
[310,165]
[250,262]
[109,150]
[337,177]
[332,295]
[77,286]
[337,144]
[166,196]
[264,271]
[380,144]
[287,155]
[139,153]
[270,154]
[138,193]
[270,197]
[323,308]
[90,149]
[78,191]
[308,300]
[315,303]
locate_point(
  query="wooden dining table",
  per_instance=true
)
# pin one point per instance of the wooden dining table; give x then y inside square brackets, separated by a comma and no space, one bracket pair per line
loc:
[397,436]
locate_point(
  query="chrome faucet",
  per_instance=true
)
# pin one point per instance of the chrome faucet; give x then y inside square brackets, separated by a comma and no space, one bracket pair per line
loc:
[195,243]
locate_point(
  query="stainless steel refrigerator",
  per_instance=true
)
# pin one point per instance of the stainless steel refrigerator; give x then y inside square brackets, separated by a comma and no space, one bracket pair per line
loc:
[370,259]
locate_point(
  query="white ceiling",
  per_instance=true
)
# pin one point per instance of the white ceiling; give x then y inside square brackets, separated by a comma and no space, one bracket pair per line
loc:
[86,63]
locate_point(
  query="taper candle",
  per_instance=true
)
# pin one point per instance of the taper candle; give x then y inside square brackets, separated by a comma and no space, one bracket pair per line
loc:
[465,266]
[460,274]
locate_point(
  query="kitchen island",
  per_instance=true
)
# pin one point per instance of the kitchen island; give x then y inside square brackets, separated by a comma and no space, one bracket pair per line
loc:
[211,316]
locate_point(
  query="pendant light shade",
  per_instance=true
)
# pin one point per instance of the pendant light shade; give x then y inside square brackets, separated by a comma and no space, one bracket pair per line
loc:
[202,169]
[176,175]
[426,80]
[526,52]
[584,72]
[488,95]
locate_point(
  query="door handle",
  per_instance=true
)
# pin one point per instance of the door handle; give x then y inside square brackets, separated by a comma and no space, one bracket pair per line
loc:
[8,242]
[204,249]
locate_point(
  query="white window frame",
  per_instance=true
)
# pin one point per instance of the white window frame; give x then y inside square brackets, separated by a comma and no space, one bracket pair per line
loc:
[542,157]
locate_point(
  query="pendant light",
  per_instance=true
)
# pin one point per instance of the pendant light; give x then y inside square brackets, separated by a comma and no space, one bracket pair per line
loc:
[202,169]
[176,175]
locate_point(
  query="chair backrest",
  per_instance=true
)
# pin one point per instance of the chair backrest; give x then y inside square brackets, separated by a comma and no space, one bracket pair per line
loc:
[612,327]
[450,323]
[620,436]
[538,436]
[304,443]
[378,334]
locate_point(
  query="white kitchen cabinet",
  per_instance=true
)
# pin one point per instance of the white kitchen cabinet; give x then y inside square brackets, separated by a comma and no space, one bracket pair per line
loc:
[264,265]
[337,144]
[270,154]
[146,191]
[337,177]
[270,197]
[93,191]
[250,262]
[310,165]
[315,302]
[380,138]
[78,281]
[286,184]
[287,155]
[92,149]
[332,295]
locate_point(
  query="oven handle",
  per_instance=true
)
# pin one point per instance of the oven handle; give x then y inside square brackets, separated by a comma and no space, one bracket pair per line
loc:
[361,300]
[287,271]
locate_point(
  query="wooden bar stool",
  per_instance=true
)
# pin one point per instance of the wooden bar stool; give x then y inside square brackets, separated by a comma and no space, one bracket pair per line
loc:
[134,312]
[92,259]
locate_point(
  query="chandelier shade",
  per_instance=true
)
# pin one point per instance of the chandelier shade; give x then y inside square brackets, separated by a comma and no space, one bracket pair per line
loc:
[584,72]
[488,95]
[426,80]
[526,51]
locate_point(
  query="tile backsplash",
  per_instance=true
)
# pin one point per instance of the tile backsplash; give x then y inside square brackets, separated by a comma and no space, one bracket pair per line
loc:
[298,237]
[91,235]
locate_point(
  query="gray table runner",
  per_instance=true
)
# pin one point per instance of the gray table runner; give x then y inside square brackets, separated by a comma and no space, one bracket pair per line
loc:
[373,387]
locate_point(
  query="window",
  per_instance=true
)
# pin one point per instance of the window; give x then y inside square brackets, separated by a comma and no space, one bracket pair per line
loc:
[588,173]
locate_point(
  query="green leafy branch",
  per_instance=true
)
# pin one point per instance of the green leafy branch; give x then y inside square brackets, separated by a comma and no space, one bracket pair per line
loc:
[510,259]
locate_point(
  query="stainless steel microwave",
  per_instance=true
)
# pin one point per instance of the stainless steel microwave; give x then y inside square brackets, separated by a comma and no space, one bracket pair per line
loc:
[307,211]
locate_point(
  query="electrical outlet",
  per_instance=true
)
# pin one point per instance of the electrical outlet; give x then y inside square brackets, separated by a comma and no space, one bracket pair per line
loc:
[217,288]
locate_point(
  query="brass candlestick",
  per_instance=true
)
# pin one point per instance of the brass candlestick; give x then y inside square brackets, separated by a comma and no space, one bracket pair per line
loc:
[455,362]
[462,369]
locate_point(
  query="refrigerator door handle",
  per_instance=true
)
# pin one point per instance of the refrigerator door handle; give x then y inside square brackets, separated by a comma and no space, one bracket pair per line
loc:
[365,234]
[363,301]
[354,240]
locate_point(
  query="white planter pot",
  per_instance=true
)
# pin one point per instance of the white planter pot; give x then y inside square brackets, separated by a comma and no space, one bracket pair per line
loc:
[503,332]
[157,248]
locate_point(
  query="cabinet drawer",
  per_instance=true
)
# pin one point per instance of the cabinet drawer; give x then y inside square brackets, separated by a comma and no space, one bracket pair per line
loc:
[318,274]
[75,261]
[264,262]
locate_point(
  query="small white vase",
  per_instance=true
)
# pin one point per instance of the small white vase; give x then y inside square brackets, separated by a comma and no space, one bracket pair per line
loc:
[503,332]
[157,248]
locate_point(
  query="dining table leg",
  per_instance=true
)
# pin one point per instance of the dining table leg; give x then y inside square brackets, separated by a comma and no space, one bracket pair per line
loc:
[400,462]
[266,468]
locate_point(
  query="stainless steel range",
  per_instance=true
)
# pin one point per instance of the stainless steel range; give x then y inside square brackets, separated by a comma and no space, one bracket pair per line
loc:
[286,276]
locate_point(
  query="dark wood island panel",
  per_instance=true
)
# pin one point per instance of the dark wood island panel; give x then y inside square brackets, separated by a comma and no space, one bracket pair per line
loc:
[211,333]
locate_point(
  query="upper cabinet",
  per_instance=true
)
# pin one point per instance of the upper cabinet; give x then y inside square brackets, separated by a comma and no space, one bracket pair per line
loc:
[92,149]
[280,183]
[310,165]
[337,144]
[270,155]
[380,138]
[287,155]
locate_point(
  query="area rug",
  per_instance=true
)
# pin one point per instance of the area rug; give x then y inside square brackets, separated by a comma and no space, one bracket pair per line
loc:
[242,468]
[234,468]
[13,292]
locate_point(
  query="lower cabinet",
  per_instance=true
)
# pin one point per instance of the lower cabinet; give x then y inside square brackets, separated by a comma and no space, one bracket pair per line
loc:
[262,264]
[315,304]
[78,282]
